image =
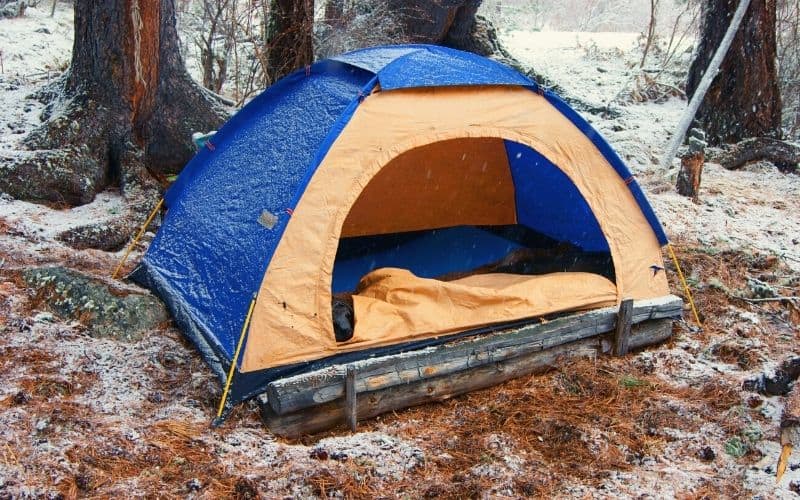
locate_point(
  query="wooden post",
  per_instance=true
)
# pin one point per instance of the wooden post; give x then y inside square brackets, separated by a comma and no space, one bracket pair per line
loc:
[622,333]
[688,183]
[790,429]
[351,401]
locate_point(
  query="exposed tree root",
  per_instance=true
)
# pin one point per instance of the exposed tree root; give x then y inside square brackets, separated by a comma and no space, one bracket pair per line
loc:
[141,192]
[71,175]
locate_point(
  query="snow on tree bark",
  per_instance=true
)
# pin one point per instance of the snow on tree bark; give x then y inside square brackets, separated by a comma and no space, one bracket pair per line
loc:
[743,100]
[126,106]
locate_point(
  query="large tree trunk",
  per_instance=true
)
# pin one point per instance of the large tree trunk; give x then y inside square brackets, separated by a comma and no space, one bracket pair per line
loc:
[744,100]
[127,107]
[289,37]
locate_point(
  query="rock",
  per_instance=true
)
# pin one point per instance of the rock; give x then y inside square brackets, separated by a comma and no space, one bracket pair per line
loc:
[20,398]
[44,30]
[246,489]
[105,310]
[194,484]
[778,383]
[42,424]
[706,454]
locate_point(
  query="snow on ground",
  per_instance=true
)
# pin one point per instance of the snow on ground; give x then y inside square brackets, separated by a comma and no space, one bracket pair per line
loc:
[34,49]
[120,418]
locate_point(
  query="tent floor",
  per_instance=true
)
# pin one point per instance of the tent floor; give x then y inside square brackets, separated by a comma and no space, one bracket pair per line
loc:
[342,394]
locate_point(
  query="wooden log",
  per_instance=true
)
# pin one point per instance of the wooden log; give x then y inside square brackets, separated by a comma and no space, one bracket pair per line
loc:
[784,155]
[351,399]
[421,391]
[689,177]
[305,390]
[622,332]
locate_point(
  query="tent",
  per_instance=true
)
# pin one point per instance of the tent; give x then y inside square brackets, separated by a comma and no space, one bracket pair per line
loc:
[376,173]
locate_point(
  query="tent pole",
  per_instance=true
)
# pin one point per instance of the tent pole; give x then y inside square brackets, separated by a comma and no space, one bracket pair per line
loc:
[684,283]
[705,83]
[235,357]
[138,236]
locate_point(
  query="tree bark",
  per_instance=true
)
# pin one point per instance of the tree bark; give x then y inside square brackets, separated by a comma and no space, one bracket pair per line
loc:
[743,100]
[127,104]
[289,37]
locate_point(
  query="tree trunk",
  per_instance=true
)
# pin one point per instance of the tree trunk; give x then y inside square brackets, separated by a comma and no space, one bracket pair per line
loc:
[744,100]
[289,40]
[434,22]
[129,102]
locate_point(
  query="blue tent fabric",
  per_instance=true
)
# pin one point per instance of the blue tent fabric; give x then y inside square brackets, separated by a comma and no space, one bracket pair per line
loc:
[548,201]
[612,158]
[211,248]
[211,252]
[414,66]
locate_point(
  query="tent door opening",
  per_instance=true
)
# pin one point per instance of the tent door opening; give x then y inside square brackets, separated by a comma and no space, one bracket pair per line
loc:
[453,211]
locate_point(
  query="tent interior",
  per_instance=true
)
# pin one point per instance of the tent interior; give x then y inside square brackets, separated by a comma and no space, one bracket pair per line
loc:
[457,209]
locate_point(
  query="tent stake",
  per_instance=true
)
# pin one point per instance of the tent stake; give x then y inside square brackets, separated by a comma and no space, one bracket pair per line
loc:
[235,357]
[138,236]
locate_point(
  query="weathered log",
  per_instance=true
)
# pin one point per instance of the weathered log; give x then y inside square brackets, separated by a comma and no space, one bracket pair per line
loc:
[421,391]
[305,390]
[688,183]
[784,155]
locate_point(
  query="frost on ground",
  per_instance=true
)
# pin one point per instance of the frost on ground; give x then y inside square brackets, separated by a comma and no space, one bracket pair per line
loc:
[34,50]
[88,416]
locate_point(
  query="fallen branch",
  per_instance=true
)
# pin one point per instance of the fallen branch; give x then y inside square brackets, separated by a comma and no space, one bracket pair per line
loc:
[765,299]
[785,155]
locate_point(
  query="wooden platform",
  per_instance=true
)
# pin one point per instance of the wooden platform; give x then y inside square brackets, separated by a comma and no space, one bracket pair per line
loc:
[342,394]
